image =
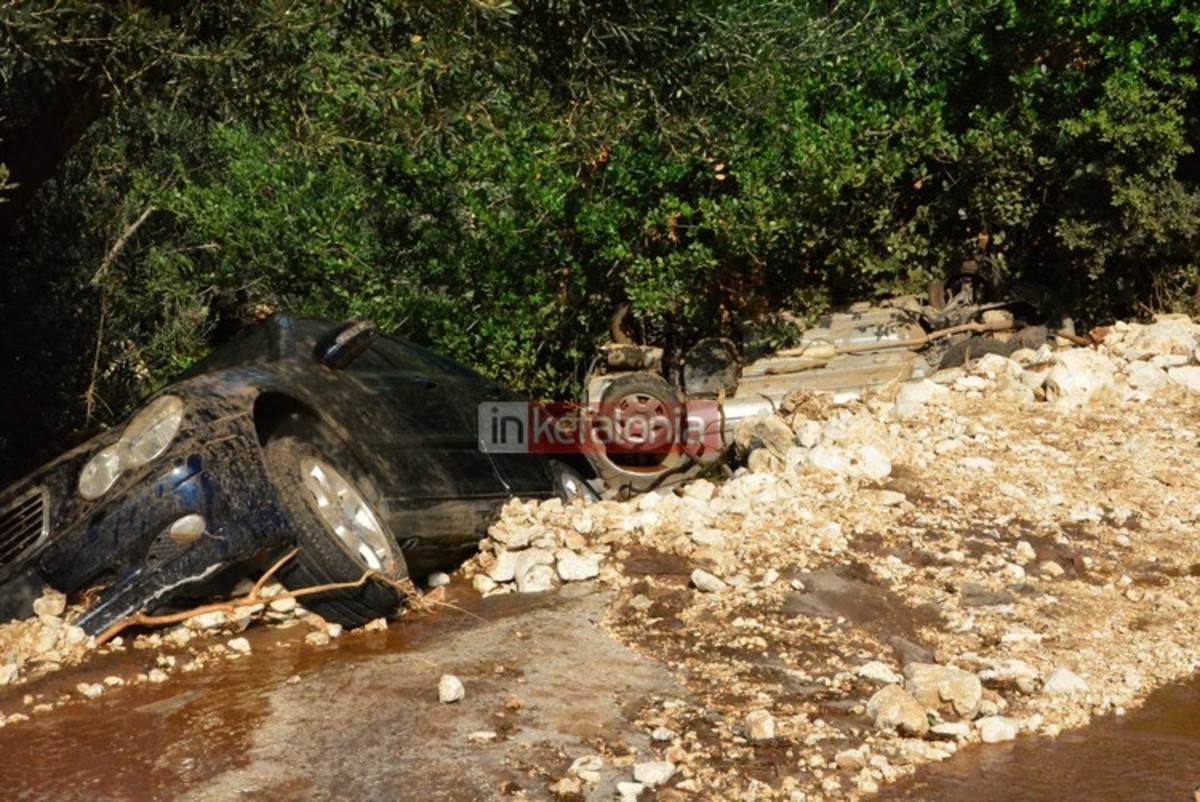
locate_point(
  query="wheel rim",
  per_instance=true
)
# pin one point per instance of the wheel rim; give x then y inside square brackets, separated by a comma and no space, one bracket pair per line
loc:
[347,514]
[654,441]
[571,485]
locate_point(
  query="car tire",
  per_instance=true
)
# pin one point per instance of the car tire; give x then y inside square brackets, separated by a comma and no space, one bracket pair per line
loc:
[337,542]
[640,393]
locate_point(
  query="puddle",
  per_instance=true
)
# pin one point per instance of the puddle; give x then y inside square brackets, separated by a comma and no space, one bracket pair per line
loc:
[358,719]
[1152,753]
[140,741]
[847,592]
[151,740]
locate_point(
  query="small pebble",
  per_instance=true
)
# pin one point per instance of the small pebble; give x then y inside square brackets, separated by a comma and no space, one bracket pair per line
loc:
[450,689]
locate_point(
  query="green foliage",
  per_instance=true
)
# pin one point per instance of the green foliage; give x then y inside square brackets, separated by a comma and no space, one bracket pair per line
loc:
[492,178]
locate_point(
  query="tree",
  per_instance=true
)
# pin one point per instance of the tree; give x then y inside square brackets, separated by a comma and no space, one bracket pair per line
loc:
[493,178]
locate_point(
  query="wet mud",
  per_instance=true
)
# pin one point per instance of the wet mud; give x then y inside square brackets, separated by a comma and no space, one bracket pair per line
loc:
[359,719]
[1151,753]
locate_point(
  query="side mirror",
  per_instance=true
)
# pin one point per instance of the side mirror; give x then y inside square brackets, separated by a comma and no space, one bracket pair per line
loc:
[345,343]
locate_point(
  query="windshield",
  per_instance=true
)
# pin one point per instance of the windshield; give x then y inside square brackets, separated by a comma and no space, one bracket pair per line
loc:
[250,346]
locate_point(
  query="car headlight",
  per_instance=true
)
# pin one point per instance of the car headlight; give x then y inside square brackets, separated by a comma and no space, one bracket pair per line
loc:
[150,432]
[145,438]
[100,473]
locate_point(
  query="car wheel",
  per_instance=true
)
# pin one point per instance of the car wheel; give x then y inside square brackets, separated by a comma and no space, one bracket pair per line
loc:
[650,398]
[570,484]
[339,532]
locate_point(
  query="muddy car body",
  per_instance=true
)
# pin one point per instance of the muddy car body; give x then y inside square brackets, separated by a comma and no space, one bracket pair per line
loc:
[867,346]
[357,447]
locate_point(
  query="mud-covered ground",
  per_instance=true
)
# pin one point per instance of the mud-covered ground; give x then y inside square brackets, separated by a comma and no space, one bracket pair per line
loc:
[1001,552]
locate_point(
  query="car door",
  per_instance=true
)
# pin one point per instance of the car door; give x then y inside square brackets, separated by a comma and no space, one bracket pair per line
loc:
[429,493]
[512,474]
[460,490]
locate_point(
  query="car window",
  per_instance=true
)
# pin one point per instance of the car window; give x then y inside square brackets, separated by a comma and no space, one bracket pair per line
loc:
[248,347]
[442,364]
[407,356]
[390,353]
[401,355]
[393,354]
[373,361]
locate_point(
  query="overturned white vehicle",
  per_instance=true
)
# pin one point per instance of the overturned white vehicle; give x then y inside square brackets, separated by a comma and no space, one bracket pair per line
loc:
[714,384]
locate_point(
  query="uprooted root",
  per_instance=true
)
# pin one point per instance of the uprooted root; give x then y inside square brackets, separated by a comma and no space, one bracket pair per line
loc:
[254,597]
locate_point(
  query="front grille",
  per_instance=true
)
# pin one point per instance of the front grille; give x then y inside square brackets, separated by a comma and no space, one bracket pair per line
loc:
[23,524]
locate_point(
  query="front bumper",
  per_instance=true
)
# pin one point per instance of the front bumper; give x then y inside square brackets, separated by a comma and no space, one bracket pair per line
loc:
[123,541]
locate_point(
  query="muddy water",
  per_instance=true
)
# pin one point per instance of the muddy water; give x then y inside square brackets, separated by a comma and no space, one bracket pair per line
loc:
[149,741]
[357,720]
[1151,754]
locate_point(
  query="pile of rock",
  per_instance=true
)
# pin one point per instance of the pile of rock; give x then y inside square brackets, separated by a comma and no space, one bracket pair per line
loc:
[859,439]
[46,642]
[534,548]
[1014,496]
[42,643]
[945,702]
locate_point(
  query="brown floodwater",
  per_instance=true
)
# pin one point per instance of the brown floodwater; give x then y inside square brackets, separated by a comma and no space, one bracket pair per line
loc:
[1152,753]
[160,741]
[148,741]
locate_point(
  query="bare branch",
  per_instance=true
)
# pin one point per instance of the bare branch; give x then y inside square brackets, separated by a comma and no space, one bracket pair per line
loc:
[119,245]
[252,599]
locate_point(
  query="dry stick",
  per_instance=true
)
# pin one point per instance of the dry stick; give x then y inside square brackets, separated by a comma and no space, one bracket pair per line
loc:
[119,245]
[275,566]
[89,395]
[1076,339]
[141,619]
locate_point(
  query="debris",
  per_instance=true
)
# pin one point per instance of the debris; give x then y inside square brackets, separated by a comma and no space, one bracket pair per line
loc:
[707,583]
[760,725]
[893,709]
[1079,377]
[947,687]
[1051,569]
[879,673]
[587,768]
[1188,376]
[958,566]
[1064,681]
[653,774]
[766,431]
[239,645]
[450,689]
[995,729]
[629,792]
[51,604]
[574,568]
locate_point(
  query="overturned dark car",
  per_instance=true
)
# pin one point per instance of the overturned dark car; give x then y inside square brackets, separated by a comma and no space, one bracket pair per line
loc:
[358,448]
